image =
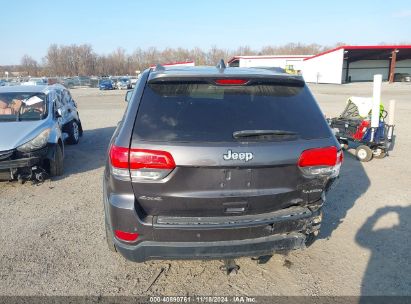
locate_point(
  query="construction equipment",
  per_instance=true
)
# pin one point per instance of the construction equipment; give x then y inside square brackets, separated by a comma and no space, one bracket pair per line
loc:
[289,69]
[362,125]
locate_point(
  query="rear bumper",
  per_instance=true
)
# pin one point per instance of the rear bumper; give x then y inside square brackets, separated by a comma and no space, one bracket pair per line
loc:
[201,238]
[211,250]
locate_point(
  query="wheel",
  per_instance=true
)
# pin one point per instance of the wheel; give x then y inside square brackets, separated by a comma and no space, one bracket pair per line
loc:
[56,164]
[73,130]
[379,153]
[363,153]
[109,238]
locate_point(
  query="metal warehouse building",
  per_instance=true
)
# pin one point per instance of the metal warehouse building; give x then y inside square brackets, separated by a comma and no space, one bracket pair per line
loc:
[269,61]
[357,63]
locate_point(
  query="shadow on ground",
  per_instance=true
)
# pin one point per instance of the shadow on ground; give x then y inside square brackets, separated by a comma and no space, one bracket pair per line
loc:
[353,183]
[89,154]
[390,247]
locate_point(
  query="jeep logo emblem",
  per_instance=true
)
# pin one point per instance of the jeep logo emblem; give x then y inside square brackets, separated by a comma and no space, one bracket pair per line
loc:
[244,156]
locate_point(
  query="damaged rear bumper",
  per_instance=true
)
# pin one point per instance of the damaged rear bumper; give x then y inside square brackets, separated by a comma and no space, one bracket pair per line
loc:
[217,237]
[211,250]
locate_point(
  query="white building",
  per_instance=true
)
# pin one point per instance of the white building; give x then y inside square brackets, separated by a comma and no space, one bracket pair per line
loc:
[269,61]
[357,63]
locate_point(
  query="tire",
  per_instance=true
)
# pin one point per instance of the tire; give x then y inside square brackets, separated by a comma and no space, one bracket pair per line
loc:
[109,238]
[363,153]
[73,129]
[56,164]
[380,155]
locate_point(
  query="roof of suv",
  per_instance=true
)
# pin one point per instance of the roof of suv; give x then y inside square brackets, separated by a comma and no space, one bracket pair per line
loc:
[215,72]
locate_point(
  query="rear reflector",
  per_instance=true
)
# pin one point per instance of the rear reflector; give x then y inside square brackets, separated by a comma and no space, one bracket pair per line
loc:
[231,81]
[318,157]
[126,236]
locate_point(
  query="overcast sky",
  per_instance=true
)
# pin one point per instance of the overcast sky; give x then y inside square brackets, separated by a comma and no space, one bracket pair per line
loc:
[29,27]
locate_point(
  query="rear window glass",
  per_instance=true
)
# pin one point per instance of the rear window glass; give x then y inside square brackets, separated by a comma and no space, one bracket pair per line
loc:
[195,112]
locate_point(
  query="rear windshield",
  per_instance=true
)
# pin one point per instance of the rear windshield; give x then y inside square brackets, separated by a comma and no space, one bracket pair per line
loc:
[196,112]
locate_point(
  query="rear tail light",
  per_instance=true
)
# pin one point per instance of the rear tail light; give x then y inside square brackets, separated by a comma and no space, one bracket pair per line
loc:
[126,236]
[321,161]
[231,81]
[140,164]
[152,159]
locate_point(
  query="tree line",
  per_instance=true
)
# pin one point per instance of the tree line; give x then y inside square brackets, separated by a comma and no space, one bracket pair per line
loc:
[73,60]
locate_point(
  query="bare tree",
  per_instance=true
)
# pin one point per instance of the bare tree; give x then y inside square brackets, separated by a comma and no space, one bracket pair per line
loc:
[29,65]
[70,60]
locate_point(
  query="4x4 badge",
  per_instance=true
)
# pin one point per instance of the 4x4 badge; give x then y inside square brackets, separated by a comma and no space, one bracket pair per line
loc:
[244,156]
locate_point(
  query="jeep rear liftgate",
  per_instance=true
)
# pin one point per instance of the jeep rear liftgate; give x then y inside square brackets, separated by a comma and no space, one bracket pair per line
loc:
[222,148]
[218,163]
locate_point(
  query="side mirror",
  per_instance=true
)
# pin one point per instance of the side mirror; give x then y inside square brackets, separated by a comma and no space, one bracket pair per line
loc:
[128,95]
[59,113]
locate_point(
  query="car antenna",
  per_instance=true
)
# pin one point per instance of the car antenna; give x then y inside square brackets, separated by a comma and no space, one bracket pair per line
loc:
[159,67]
[221,65]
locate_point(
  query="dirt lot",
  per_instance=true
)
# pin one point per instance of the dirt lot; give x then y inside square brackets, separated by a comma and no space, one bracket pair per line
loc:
[52,235]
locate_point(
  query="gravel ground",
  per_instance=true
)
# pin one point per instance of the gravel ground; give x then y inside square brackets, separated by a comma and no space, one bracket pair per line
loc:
[52,235]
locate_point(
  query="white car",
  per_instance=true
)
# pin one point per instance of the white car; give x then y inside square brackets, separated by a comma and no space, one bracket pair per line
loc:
[123,83]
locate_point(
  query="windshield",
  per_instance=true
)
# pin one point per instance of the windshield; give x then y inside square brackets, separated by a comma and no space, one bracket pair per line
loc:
[206,112]
[22,106]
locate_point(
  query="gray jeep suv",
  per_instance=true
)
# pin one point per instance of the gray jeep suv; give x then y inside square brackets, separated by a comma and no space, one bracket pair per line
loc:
[217,163]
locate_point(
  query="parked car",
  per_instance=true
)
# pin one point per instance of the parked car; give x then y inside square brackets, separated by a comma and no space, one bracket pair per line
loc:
[403,77]
[71,82]
[123,83]
[217,163]
[2,83]
[106,84]
[35,81]
[133,81]
[84,80]
[35,122]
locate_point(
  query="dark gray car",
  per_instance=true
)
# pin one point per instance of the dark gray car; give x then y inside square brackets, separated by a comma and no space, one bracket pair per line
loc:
[217,163]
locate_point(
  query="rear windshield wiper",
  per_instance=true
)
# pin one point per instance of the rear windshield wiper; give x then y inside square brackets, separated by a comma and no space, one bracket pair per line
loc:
[256,133]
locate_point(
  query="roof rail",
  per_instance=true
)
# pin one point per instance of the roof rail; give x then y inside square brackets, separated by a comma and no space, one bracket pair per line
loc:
[159,68]
[221,64]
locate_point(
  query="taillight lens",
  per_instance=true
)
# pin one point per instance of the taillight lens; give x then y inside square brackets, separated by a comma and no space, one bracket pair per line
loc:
[231,81]
[126,236]
[153,159]
[140,164]
[119,157]
[321,161]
